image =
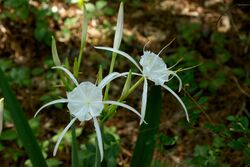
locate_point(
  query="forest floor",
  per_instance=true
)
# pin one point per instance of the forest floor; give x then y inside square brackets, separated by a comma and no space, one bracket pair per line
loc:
[158,22]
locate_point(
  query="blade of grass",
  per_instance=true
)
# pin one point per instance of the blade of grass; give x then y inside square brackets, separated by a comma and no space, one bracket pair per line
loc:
[83,40]
[145,144]
[23,129]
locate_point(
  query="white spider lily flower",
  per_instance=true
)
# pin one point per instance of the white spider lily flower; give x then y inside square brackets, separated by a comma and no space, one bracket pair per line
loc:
[154,69]
[85,102]
[1,115]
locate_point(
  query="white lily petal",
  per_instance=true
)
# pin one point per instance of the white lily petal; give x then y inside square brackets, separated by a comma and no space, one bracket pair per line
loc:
[51,103]
[107,79]
[133,73]
[174,74]
[119,28]
[122,54]
[62,134]
[68,73]
[125,106]
[144,100]
[99,137]
[111,77]
[1,115]
[178,98]
[137,74]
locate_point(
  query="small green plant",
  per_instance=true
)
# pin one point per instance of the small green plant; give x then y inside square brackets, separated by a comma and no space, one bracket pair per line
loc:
[234,138]
[20,11]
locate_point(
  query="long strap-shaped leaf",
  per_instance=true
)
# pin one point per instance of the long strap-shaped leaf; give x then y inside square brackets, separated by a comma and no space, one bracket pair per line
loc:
[23,129]
[145,144]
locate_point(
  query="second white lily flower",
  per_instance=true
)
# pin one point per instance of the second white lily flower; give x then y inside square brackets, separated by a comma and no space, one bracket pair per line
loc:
[154,69]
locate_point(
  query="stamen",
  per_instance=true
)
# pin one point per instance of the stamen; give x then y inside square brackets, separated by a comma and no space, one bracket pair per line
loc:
[188,68]
[146,45]
[176,63]
[166,46]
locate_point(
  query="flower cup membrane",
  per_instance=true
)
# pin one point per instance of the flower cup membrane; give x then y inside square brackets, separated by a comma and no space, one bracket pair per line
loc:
[154,68]
[85,101]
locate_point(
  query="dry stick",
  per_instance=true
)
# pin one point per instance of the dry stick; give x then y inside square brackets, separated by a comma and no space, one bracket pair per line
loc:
[199,106]
[238,85]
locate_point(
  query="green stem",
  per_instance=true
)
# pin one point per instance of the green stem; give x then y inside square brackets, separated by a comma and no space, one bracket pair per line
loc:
[122,98]
[83,39]
[135,86]
[110,71]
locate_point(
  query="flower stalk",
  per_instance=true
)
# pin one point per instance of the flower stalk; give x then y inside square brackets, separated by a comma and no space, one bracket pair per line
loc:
[116,44]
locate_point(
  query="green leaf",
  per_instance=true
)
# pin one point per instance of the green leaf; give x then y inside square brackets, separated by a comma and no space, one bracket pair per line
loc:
[168,141]
[22,127]
[99,75]
[54,53]
[245,122]
[83,36]
[5,64]
[100,4]
[126,86]
[218,142]
[8,135]
[145,144]
[236,144]
[240,72]
[201,150]
[231,118]
[247,152]
[90,7]
[52,162]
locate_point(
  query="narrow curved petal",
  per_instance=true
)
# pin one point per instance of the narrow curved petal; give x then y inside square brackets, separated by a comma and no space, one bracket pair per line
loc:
[1,114]
[125,106]
[138,74]
[175,63]
[174,74]
[144,100]
[62,134]
[133,73]
[111,77]
[108,79]
[99,137]
[178,98]
[68,73]
[51,103]
[122,54]
[166,46]
[119,28]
